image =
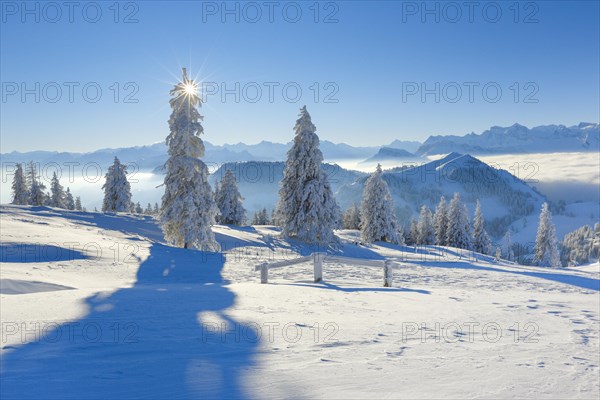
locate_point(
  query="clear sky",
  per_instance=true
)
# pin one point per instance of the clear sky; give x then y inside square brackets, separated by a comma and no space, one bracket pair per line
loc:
[373,58]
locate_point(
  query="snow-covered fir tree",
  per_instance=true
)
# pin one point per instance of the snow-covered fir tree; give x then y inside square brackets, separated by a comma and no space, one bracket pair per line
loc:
[378,218]
[78,206]
[156,209]
[306,209]
[458,232]
[425,228]
[481,239]
[138,208]
[413,232]
[37,196]
[117,190]
[581,246]
[352,217]
[188,207]
[261,217]
[148,210]
[69,201]
[507,246]
[440,221]
[546,245]
[229,200]
[20,190]
[57,193]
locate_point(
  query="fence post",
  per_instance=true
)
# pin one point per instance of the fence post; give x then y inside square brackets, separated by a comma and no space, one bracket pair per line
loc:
[264,273]
[318,266]
[387,273]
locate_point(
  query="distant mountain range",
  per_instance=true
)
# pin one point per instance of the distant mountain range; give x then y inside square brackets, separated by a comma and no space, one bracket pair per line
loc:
[518,139]
[496,140]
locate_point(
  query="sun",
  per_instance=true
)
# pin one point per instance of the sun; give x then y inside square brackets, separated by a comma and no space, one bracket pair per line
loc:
[190,89]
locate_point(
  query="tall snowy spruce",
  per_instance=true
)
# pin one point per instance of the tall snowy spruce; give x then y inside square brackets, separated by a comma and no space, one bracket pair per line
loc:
[117,190]
[378,219]
[458,232]
[507,246]
[306,209]
[37,196]
[229,200]
[78,206]
[19,187]
[351,217]
[481,240]
[440,222]
[57,193]
[69,200]
[425,228]
[413,232]
[261,217]
[188,207]
[546,245]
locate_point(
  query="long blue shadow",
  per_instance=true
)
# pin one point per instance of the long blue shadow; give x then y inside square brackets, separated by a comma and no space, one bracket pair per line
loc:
[146,341]
[32,252]
[331,286]
[568,279]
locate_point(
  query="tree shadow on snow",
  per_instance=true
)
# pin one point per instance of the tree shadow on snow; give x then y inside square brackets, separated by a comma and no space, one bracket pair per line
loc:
[331,286]
[144,341]
[37,252]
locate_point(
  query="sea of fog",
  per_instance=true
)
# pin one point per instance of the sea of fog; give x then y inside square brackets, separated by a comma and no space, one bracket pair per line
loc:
[571,177]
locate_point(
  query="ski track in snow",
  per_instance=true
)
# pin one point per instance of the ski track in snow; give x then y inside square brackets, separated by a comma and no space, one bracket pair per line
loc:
[148,320]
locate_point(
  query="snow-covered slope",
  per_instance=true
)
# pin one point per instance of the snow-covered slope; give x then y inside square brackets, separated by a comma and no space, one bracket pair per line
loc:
[504,197]
[141,319]
[518,139]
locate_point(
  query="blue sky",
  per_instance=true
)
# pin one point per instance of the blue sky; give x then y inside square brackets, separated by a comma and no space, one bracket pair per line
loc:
[372,57]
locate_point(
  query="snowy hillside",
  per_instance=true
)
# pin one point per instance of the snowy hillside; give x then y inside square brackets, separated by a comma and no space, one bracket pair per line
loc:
[518,139]
[503,196]
[96,306]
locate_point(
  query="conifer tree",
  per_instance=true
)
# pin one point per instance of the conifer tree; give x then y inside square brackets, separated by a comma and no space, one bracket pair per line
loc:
[117,190]
[352,217]
[378,219]
[37,197]
[306,209]
[188,207]
[440,220]
[413,232]
[458,233]
[481,240]
[425,228]
[78,204]
[69,201]
[57,193]
[261,217]
[229,200]
[508,246]
[546,245]
[19,187]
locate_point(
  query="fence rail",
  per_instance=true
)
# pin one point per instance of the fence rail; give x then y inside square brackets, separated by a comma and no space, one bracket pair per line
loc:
[319,258]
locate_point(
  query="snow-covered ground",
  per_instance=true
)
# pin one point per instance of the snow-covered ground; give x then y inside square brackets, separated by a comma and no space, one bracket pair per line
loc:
[97,306]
